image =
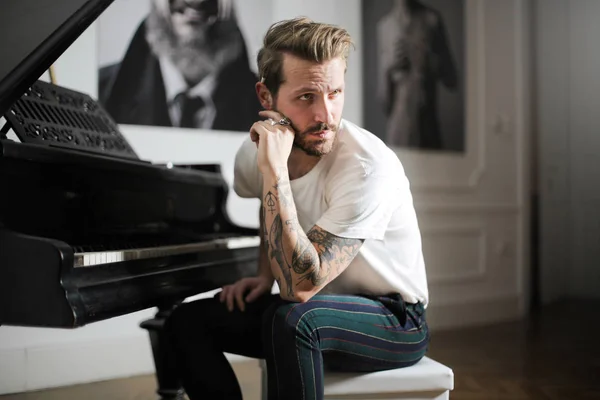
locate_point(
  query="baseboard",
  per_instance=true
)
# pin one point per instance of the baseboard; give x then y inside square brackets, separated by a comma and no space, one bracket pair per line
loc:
[474,313]
[45,367]
[68,364]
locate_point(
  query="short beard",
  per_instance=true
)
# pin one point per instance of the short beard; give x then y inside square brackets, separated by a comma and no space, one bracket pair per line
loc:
[206,52]
[315,147]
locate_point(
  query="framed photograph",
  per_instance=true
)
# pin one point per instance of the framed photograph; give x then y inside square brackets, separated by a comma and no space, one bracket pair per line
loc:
[180,63]
[414,73]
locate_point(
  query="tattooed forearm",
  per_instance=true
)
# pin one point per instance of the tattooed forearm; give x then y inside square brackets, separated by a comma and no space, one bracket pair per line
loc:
[334,250]
[264,236]
[317,276]
[303,256]
[283,187]
[269,202]
[290,252]
[301,263]
[277,253]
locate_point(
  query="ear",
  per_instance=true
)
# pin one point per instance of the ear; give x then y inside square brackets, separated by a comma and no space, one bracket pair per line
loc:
[264,96]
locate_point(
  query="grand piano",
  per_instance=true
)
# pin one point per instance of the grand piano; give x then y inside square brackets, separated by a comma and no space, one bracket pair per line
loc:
[88,230]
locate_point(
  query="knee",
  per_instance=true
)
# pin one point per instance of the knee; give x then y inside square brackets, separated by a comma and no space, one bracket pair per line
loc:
[186,322]
[176,322]
[284,318]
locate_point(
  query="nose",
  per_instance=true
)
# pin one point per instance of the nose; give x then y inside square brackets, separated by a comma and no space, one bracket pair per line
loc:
[322,109]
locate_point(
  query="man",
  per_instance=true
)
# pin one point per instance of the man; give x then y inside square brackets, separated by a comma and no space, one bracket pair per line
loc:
[186,66]
[340,238]
[414,55]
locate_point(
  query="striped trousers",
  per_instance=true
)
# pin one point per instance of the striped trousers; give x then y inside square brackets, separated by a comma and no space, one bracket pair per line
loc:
[299,341]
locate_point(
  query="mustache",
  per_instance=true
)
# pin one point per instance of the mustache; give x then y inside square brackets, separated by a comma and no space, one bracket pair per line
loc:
[319,127]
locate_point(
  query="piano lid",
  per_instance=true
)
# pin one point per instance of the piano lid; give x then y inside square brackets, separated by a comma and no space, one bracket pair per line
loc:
[33,34]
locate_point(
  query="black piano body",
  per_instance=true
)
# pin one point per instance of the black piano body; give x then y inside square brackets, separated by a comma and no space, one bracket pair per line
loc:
[86,237]
[88,231]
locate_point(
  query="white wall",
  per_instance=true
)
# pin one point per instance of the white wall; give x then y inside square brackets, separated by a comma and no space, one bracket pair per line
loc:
[472,207]
[568,93]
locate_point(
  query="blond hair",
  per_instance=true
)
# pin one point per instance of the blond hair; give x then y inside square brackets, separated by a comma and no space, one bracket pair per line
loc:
[303,38]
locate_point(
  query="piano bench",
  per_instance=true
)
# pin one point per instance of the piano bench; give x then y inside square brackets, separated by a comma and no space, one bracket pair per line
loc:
[426,380]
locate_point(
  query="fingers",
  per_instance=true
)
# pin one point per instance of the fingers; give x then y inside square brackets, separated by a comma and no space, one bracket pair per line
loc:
[257,129]
[223,293]
[227,296]
[232,295]
[271,114]
[253,295]
[254,136]
[239,294]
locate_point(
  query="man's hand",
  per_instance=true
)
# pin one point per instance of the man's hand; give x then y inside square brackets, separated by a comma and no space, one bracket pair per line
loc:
[254,287]
[274,141]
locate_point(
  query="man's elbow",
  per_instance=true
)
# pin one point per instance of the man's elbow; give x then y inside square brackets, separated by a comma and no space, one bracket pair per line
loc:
[310,283]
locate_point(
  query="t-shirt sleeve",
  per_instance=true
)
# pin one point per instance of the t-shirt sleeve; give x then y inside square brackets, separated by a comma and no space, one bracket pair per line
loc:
[361,204]
[246,178]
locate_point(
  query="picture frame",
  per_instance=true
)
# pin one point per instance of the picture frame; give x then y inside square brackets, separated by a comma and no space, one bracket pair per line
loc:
[414,73]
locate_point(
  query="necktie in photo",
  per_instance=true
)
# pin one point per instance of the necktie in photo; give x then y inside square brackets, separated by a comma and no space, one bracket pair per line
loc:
[189,106]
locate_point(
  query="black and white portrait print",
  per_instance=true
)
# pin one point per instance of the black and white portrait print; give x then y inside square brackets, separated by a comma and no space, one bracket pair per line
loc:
[178,63]
[414,73]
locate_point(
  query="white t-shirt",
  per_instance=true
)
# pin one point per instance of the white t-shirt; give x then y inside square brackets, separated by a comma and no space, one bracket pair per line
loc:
[359,190]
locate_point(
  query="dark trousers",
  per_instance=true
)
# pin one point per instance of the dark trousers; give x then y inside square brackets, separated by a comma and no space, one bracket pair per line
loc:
[298,341]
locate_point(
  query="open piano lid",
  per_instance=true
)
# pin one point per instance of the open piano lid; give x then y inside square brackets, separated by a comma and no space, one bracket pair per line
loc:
[41,113]
[33,34]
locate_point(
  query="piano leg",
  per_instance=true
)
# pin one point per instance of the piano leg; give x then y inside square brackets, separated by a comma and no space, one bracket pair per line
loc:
[169,385]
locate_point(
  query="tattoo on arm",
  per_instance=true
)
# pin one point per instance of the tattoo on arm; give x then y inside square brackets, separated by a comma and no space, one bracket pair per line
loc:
[303,256]
[333,251]
[277,252]
[296,257]
[283,189]
[270,202]
[264,238]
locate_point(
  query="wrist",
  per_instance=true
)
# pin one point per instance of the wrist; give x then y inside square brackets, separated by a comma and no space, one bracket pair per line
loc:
[267,277]
[275,171]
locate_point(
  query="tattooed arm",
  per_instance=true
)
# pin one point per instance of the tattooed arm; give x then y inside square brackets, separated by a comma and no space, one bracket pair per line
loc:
[302,263]
[264,268]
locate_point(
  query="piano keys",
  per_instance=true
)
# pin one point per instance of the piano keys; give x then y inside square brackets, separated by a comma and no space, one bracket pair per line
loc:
[109,256]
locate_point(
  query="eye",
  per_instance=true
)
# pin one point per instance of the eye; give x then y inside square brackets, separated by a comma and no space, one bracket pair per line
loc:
[336,92]
[306,96]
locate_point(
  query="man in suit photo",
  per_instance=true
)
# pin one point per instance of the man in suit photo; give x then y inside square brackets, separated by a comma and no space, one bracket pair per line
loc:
[186,66]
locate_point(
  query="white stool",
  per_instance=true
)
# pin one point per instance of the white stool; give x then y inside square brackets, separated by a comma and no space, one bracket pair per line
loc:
[426,380]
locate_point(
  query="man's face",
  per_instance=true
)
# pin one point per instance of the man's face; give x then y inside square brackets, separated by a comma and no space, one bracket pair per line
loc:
[199,36]
[312,97]
[192,18]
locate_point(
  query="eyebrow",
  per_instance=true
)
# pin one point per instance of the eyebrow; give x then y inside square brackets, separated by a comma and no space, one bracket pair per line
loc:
[305,89]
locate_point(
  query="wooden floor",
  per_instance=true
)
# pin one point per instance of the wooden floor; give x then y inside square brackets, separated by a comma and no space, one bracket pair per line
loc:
[554,355]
